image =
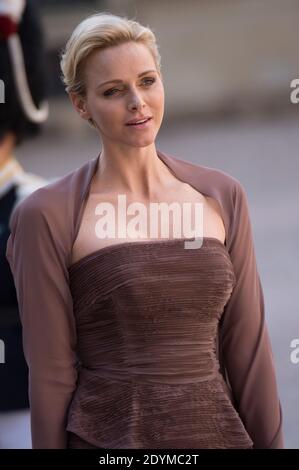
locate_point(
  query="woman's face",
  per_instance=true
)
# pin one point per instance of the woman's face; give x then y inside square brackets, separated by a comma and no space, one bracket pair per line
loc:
[112,105]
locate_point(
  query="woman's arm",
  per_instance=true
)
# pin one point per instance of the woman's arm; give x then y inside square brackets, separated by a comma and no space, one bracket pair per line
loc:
[244,339]
[36,259]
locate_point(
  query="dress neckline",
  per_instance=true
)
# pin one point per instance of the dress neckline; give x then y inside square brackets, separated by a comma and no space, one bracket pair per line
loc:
[142,243]
[180,172]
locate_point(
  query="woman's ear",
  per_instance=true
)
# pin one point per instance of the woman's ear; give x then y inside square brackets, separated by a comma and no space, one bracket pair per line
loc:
[79,103]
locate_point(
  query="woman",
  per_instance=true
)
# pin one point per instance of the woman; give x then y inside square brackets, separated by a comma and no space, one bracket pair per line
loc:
[139,344]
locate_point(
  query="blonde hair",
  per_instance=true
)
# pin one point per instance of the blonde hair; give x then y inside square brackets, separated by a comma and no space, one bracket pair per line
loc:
[100,31]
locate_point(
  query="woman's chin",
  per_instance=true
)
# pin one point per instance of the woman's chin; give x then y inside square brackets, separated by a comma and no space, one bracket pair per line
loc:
[141,141]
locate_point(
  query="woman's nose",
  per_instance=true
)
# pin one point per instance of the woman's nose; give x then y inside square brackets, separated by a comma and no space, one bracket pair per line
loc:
[136,102]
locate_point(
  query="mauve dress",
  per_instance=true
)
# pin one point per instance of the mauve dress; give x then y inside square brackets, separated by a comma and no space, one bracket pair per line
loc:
[142,320]
[147,315]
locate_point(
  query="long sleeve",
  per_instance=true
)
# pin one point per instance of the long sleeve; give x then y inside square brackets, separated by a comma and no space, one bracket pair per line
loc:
[244,339]
[35,254]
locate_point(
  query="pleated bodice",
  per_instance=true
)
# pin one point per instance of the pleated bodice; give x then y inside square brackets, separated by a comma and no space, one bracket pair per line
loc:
[147,315]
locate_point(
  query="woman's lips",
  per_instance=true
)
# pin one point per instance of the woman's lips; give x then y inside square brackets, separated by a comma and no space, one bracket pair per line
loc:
[140,126]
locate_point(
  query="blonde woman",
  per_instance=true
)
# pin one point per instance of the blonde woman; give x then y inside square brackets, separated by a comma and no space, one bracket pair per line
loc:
[135,340]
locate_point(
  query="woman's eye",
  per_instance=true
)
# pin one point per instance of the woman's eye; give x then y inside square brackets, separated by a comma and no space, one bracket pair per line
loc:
[110,92]
[147,81]
[150,80]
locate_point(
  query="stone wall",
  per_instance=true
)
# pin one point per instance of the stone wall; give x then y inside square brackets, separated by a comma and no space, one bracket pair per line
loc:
[217,55]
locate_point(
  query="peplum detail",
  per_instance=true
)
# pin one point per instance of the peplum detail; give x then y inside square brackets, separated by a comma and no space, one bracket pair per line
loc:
[147,316]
